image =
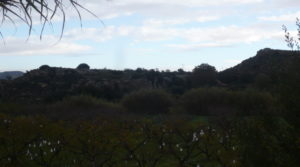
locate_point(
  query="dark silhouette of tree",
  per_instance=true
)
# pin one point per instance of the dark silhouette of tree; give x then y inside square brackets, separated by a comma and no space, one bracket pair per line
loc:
[203,74]
[83,67]
[25,10]
[44,67]
[181,71]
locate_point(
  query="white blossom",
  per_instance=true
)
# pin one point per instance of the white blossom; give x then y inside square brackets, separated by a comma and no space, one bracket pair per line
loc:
[195,138]
[201,132]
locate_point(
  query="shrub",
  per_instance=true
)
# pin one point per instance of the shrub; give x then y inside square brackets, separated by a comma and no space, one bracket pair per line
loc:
[200,101]
[252,102]
[216,101]
[83,106]
[148,102]
[82,101]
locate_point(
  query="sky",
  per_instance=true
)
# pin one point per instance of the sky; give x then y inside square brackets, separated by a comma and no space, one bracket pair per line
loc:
[151,34]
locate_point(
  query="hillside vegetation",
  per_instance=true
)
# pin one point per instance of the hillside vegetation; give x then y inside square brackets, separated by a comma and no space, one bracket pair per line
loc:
[244,116]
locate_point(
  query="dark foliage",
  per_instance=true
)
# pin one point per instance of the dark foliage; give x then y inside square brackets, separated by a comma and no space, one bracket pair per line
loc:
[222,102]
[83,67]
[245,116]
[267,63]
[203,75]
[148,102]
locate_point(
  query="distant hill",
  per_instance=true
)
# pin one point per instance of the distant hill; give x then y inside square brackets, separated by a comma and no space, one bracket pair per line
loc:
[268,64]
[11,74]
[265,71]
[52,83]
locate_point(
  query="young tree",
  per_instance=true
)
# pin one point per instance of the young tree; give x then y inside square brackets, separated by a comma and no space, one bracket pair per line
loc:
[290,40]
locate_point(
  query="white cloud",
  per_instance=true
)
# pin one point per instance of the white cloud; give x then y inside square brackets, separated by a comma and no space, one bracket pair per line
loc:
[189,3]
[163,17]
[195,47]
[97,34]
[290,17]
[198,38]
[285,3]
[19,47]
[224,35]
[160,22]
[194,37]
[179,21]
[158,8]
[163,22]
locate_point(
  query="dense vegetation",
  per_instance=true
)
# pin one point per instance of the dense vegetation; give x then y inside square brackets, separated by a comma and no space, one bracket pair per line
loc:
[245,116]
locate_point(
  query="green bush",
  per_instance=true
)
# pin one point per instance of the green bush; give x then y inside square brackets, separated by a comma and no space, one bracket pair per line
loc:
[216,101]
[148,102]
[82,101]
[252,102]
[11,108]
[201,101]
[82,106]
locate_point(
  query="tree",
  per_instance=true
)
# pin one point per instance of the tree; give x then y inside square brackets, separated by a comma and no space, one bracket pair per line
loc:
[25,10]
[44,67]
[203,74]
[83,67]
[291,42]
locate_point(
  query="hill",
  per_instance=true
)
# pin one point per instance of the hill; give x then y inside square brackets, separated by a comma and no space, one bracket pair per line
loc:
[10,74]
[267,65]
[263,71]
[52,83]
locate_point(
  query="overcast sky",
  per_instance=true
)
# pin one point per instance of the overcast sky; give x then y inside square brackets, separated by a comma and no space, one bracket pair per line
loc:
[163,34]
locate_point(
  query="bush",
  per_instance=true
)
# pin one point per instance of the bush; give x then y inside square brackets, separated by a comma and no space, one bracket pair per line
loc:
[252,102]
[205,101]
[82,101]
[82,106]
[148,102]
[216,101]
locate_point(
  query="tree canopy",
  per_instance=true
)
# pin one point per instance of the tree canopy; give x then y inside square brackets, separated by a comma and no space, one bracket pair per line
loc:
[83,66]
[204,74]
